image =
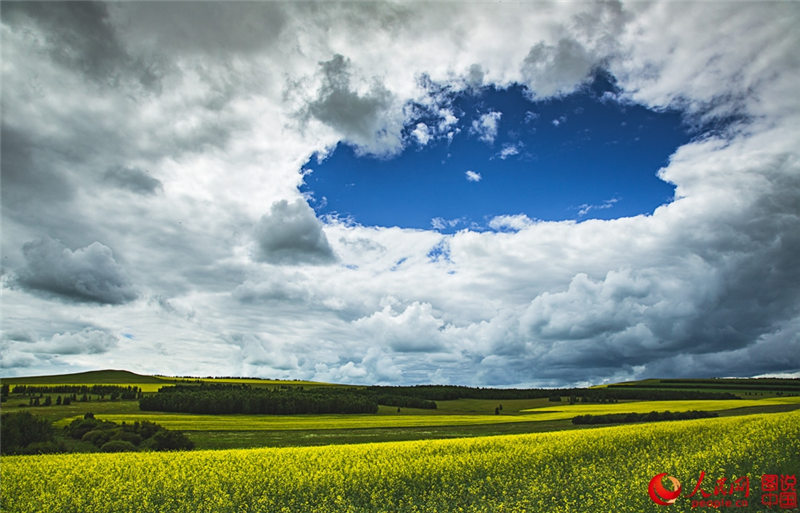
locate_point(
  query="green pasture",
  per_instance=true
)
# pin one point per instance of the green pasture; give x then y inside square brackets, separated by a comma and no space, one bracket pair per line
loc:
[190,422]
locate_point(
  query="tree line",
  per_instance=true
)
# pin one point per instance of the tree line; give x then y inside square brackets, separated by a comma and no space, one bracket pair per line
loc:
[243,398]
[653,416]
[113,391]
[600,395]
[235,398]
[25,433]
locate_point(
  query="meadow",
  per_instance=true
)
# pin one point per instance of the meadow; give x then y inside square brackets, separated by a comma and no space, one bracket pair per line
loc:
[594,470]
[388,419]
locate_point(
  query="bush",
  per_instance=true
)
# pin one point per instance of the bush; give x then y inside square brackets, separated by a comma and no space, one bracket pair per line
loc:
[49,447]
[118,446]
[79,427]
[168,441]
[127,436]
[19,430]
[97,437]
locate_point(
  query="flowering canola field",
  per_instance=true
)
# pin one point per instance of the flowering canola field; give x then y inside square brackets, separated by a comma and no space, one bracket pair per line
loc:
[596,470]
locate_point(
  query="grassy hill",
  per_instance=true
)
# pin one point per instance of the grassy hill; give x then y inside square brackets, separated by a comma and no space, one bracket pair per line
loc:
[99,377]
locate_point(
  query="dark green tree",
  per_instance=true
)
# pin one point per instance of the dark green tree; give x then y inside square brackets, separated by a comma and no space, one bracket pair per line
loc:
[20,430]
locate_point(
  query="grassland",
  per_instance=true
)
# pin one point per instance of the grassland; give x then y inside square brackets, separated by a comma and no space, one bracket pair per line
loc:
[596,470]
[456,418]
[190,422]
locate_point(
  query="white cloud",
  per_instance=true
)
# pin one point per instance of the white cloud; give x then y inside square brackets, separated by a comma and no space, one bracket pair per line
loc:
[486,126]
[87,341]
[509,150]
[510,222]
[440,223]
[585,208]
[421,133]
[473,176]
[183,153]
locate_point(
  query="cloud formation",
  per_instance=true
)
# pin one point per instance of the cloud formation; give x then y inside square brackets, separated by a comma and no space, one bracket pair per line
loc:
[365,119]
[472,176]
[176,134]
[291,234]
[486,126]
[86,274]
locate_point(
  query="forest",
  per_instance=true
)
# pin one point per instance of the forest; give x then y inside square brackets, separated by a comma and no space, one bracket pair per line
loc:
[235,398]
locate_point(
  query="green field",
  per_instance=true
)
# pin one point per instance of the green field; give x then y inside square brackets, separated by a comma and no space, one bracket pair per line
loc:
[190,422]
[454,418]
[596,470]
[459,457]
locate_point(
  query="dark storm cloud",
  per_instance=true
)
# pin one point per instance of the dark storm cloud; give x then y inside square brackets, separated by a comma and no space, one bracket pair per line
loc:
[28,173]
[291,234]
[132,179]
[361,118]
[79,35]
[87,274]
[209,28]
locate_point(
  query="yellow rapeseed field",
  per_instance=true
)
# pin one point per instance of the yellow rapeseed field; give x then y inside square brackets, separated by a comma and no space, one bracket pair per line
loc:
[604,470]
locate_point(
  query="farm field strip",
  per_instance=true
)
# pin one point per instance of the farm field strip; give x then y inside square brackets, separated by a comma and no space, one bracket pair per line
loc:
[597,470]
[567,411]
[192,422]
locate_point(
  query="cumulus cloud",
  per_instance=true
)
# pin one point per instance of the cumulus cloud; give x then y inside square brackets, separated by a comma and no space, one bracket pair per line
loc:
[421,133]
[291,234]
[509,150]
[364,118]
[206,114]
[486,126]
[260,355]
[415,329]
[86,341]
[440,223]
[556,69]
[473,176]
[510,222]
[86,274]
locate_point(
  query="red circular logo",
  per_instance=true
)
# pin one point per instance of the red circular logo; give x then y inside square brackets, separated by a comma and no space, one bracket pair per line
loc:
[659,494]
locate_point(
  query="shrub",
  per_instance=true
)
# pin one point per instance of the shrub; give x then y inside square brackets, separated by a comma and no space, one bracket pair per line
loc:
[19,430]
[97,437]
[168,441]
[48,447]
[127,436]
[118,446]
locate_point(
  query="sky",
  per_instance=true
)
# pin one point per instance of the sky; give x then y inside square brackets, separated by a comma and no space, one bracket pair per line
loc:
[486,194]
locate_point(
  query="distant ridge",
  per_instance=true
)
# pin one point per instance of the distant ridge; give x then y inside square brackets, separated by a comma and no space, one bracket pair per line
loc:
[100,377]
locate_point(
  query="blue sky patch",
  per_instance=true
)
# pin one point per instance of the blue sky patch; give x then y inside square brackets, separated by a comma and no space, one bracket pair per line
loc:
[579,157]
